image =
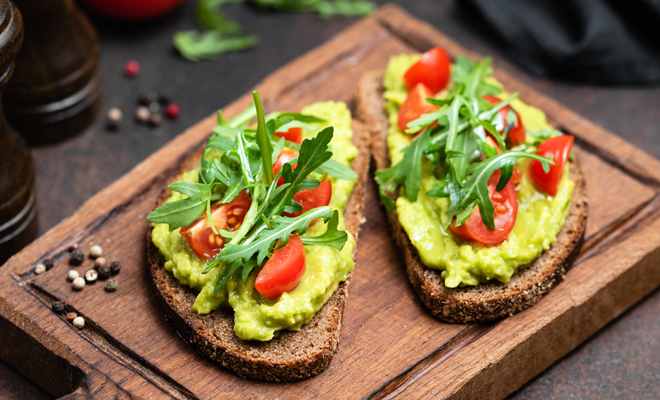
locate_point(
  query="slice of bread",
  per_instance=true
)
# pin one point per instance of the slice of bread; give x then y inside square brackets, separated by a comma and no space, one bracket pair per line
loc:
[488,301]
[290,356]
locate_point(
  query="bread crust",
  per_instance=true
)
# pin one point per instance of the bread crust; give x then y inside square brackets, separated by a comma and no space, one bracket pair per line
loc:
[290,356]
[489,301]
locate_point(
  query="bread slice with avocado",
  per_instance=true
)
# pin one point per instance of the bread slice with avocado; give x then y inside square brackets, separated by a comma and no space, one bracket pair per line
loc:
[290,355]
[486,301]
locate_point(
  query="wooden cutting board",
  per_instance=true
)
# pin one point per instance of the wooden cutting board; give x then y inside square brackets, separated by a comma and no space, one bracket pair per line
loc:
[390,346]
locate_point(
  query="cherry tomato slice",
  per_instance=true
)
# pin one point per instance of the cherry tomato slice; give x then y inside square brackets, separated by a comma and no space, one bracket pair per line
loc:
[506,211]
[294,135]
[558,148]
[283,271]
[517,174]
[313,198]
[199,234]
[433,70]
[516,133]
[415,105]
[285,156]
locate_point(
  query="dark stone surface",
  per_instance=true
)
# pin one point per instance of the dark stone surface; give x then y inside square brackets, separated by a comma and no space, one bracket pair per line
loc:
[619,362]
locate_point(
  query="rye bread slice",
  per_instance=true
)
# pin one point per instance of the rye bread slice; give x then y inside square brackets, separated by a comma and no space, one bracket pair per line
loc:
[288,357]
[488,301]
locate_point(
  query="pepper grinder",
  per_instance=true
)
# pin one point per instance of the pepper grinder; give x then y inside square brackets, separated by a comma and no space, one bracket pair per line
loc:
[18,202]
[55,91]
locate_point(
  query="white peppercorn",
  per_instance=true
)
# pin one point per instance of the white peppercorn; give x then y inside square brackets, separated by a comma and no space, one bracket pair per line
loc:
[39,269]
[78,283]
[142,114]
[73,274]
[99,262]
[95,251]
[79,322]
[91,275]
[114,117]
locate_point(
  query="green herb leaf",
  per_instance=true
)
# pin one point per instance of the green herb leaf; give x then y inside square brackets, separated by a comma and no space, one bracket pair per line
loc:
[206,46]
[332,236]
[263,141]
[185,211]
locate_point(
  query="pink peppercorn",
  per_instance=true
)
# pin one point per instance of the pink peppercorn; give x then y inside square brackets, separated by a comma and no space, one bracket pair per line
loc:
[172,110]
[131,68]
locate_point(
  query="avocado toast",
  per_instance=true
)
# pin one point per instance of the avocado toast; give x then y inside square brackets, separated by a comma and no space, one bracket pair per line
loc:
[475,293]
[294,350]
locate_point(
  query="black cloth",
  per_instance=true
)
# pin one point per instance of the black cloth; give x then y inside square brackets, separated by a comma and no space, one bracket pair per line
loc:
[597,41]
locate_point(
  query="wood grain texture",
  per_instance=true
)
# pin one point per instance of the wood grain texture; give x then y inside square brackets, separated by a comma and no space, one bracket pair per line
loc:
[389,346]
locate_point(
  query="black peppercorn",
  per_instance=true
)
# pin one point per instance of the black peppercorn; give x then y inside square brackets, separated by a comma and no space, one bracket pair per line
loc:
[115,267]
[48,263]
[155,119]
[77,257]
[147,98]
[58,307]
[104,272]
[111,285]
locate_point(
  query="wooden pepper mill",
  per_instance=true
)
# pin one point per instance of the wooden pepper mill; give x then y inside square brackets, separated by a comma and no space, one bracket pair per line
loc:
[18,202]
[55,91]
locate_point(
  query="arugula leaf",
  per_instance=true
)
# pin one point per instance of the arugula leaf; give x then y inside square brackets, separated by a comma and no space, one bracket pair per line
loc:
[185,211]
[283,228]
[263,141]
[332,236]
[337,170]
[206,46]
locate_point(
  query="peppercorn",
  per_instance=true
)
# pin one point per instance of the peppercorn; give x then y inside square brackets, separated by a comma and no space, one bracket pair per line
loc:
[48,263]
[58,307]
[99,262]
[91,275]
[155,119]
[73,247]
[71,316]
[115,267]
[172,110]
[79,322]
[73,274]
[147,98]
[111,285]
[142,114]
[131,68]
[95,251]
[164,99]
[154,107]
[113,118]
[104,272]
[39,269]
[79,283]
[77,257]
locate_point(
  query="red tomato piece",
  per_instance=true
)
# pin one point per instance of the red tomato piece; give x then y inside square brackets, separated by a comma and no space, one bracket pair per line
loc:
[506,211]
[199,234]
[283,271]
[517,174]
[433,70]
[415,105]
[516,133]
[558,148]
[294,135]
[313,198]
[285,156]
[132,10]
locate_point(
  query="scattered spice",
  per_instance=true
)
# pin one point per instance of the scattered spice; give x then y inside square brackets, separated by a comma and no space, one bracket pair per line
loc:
[58,307]
[71,316]
[73,247]
[99,262]
[78,283]
[104,272]
[111,285]
[147,98]
[115,267]
[155,119]
[142,114]
[95,251]
[114,117]
[73,274]
[79,322]
[77,257]
[131,68]
[91,275]
[172,110]
[39,269]
[48,263]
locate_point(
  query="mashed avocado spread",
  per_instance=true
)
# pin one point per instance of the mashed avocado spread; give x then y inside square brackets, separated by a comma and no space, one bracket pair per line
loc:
[257,318]
[540,217]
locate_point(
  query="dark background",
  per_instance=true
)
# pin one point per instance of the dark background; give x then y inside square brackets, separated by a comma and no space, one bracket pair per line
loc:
[621,361]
